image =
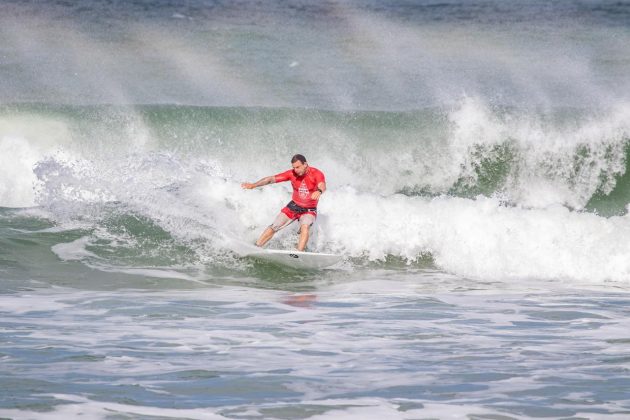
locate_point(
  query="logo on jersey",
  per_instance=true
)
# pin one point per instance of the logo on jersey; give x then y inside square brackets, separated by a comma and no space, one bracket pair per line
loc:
[303,190]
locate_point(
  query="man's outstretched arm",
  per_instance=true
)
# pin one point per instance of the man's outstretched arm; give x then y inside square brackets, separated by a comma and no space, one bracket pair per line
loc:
[265,181]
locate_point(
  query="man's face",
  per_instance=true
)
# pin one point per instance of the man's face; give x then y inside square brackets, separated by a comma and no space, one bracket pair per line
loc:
[299,167]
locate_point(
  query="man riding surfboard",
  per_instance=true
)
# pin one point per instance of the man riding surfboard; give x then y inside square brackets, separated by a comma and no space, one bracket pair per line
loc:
[308,185]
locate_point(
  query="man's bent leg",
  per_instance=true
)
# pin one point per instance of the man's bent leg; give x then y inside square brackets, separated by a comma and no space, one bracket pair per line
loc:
[265,237]
[281,221]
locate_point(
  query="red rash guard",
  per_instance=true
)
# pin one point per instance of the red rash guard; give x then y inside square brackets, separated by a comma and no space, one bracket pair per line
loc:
[303,186]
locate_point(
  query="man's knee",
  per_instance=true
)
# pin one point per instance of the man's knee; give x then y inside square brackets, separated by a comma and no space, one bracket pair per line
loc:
[304,228]
[281,222]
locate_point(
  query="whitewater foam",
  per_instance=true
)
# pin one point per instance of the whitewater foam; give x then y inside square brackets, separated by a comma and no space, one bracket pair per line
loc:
[24,141]
[482,238]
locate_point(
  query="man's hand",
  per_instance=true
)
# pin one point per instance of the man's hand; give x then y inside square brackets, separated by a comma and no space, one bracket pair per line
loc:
[321,187]
[248,186]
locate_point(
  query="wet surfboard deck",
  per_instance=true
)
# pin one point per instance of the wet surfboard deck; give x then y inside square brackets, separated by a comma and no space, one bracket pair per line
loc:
[296,259]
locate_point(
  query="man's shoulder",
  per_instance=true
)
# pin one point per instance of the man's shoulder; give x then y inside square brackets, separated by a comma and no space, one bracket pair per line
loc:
[316,171]
[286,175]
[319,175]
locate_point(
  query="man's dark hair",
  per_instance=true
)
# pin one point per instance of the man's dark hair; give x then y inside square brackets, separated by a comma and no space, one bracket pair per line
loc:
[301,158]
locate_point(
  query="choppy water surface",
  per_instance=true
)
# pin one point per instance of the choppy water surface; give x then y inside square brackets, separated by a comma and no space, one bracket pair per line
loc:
[411,346]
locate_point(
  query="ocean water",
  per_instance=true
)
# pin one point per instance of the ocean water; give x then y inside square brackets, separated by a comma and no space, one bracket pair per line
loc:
[476,155]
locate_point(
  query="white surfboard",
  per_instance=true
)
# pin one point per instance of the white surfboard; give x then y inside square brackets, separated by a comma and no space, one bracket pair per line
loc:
[296,259]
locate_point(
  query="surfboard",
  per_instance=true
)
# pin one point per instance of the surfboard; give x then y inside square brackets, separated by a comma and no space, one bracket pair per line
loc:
[296,259]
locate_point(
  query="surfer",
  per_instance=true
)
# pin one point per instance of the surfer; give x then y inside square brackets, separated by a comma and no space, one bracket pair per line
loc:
[308,185]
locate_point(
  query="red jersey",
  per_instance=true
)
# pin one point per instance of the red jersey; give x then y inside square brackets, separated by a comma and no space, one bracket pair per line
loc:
[303,186]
